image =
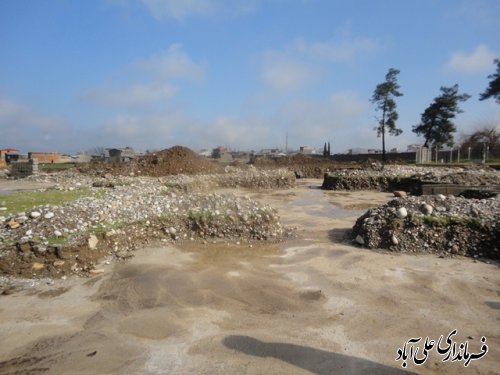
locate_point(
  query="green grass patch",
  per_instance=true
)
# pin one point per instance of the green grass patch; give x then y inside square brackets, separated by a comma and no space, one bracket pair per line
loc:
[54,240]
[444,221]
[48,167]
[106,226]
[25,200]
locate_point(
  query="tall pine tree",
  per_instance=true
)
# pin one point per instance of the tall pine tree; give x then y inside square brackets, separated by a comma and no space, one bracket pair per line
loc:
[435,124]
[383,97]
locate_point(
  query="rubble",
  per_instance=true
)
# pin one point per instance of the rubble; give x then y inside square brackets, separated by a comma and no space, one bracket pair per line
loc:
[433,224]
[397,177]
[136,211]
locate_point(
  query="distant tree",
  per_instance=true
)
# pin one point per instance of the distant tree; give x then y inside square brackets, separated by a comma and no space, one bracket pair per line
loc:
[325,150]
[488,135]
[383,97]
[329,153]
[435,123]
[216,153]
[493,89]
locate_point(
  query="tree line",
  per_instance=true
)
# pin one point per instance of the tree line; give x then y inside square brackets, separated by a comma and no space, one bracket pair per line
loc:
[436,122]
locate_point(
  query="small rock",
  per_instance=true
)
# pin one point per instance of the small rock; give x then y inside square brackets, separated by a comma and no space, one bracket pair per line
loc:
[29,232]
[440,197]
[394,240]
[13,224]
[360,240]
[401,213]
[59,263]
[400,194]
[35,214]
[49,215]
[57,233]
[96,271]
[37,266]
[426,209]
[92,242]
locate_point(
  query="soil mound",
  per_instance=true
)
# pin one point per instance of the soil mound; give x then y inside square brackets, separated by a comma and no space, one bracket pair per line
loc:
[172,161]
[175,160]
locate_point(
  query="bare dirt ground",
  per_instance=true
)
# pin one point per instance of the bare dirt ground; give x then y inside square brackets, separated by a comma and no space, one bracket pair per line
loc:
[316,304]
[10,186]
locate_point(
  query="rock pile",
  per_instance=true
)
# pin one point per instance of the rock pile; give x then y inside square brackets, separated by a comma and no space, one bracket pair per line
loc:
[433,224]
[135,211]
[400,177]
[302,165]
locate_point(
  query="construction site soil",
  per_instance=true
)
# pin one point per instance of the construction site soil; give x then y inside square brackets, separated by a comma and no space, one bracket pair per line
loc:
[315,303]
[175,160]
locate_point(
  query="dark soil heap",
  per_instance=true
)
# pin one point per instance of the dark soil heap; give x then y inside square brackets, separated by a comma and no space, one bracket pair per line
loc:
[175,160]
[172,161]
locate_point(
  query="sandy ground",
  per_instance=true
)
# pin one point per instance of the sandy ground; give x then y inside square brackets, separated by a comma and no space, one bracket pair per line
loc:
[10,186]
[315,305]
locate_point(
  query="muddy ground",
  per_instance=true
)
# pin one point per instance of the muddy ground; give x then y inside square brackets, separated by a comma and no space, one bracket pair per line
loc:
[317,304]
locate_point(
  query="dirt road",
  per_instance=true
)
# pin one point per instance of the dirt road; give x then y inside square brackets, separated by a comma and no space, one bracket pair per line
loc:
[316,304]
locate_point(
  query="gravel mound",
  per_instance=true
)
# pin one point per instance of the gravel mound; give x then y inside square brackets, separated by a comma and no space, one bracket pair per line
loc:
[69,239]
[404,177]
[433,224]
[302,165]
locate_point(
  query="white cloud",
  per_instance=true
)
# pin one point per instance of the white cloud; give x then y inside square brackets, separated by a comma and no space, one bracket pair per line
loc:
[173,63]
[346,104]
[183,9]
[132,96]
[243,133]
[478,61]
[337,51]
[302,62]
[22,126]
[17,115]
[284,73]
[152,131]
[338,117]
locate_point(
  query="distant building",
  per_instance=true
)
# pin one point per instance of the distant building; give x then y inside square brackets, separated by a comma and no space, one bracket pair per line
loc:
[45,157]
[120,154]
[205,152]
[4,155]
[413,147]
[356,151]
[308,150]
[82,158]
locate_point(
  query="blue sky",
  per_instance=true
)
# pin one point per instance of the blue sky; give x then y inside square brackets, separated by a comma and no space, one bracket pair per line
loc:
[78,74]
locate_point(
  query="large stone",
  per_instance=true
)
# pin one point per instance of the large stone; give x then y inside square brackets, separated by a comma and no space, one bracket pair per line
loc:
[92,241]
[400,194]
[394,240]
[360,240]
[401,213]
[426,208]
[35,214]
